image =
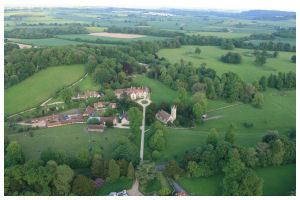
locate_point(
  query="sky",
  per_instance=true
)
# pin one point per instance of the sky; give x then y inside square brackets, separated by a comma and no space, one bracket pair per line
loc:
[233,5]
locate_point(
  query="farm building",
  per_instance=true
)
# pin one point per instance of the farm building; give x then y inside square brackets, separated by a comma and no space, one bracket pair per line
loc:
[133,92]
[87,95]
[89,111]
[105,120]
[101,104]
[96,128]
[165,117]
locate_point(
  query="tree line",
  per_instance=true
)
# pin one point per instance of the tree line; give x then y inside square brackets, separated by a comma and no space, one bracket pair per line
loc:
[44,32]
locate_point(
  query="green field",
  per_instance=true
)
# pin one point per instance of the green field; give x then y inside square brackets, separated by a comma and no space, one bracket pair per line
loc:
[46,42]
[70,138]
[277,113]
[159,91]
[221,34]
[40,86]
[278,181]
[246,70]
[92,38]
[95,29]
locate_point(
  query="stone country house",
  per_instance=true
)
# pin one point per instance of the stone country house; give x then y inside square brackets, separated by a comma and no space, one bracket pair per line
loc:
[133,92]
[165,117]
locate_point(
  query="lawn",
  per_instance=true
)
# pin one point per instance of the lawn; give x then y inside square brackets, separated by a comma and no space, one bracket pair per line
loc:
[159,91]
[70,138]
[273,177]
[277,113]
[88,84]
[118,186]
[40,86]
[246,70]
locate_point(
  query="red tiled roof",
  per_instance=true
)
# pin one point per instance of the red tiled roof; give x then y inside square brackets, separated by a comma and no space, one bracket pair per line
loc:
[163,115]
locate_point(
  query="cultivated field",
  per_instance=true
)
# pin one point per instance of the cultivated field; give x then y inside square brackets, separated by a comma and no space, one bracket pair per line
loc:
[273,179]
[70,138]
[117,35]
[246,70]
[40,86]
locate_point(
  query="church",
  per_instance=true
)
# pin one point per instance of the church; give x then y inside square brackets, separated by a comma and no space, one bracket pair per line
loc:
[165,117]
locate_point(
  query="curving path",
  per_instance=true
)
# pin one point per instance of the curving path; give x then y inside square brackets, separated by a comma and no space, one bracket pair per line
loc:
[134,191]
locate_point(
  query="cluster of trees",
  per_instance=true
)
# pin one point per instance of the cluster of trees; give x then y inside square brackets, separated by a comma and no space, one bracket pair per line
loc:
[231,57]
[22,63]
[9,47]
[54,174]
[187,78]
[236,162]
[44,32]
[157,140]
[144,31]
[286,32]
[280,81]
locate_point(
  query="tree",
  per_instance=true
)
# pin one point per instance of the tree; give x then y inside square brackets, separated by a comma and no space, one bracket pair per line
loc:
[260,59]
[146,172]
[14,154]
[238,179]
[130,171]
[83,186]
[293,58]
[275,54]
[233,58]
[97,168]
[83,159]
[164,192]
[277,152]
[157,141]
[200,104]
[135,118]
[63,177]
[197,50]
[263,83]
[67,95]
[258,100]
[172,169]
[213,137]
[113,171]
[230,134]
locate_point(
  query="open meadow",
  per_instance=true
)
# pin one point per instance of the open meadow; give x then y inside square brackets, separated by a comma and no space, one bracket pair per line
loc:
[273,178]
[247,70]
[70,138]
[39,87]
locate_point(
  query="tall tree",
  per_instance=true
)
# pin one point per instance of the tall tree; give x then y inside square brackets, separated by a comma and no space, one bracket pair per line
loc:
[14,154]
[113,171]
[213,137]
[83,186]
[230,134]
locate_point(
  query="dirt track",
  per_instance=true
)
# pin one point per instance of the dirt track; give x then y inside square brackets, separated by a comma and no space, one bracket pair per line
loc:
[117,35]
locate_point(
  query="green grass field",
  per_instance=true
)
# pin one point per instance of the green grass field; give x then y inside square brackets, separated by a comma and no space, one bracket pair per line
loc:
[95,29]
[70,138]
[246,70]
[159,91]
[46,42]
[221,34]
[277,113]
[278,181]
[92,38]
[40,86]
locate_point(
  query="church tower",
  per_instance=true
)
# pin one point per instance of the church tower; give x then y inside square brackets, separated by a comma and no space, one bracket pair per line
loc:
[173,113]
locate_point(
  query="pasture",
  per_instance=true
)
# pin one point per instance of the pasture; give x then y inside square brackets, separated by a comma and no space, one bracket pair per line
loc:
[273,178]
[40,86]
[117,35]
[95,29]
[277,113]
[70,138]
[246,70]
[46,42]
